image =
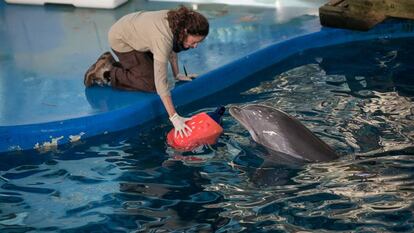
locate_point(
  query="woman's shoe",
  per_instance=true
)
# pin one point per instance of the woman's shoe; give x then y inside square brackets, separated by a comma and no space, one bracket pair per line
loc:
[95,73]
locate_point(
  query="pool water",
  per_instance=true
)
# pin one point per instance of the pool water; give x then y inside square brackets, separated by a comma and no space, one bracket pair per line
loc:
[357,97]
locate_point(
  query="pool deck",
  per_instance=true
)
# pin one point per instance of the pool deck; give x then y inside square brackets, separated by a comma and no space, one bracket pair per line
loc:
[45,51]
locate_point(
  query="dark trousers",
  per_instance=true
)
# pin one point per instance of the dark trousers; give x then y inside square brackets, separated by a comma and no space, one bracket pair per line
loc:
[135,71]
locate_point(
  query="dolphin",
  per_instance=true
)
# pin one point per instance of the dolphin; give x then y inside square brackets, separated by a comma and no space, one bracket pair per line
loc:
[286,138]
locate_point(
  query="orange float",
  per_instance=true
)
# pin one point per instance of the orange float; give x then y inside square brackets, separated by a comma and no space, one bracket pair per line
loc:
[205,131]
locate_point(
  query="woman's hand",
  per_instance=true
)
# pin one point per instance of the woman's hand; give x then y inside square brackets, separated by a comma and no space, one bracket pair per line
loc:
[179,125]
[183,77]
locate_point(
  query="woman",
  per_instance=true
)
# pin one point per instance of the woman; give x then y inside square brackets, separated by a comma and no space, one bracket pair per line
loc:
[144,43]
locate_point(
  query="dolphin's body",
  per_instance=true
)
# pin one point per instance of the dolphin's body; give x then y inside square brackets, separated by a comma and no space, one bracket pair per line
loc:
[288,140]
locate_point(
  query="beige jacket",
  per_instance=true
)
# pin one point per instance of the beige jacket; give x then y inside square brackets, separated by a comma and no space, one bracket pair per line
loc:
[146,31]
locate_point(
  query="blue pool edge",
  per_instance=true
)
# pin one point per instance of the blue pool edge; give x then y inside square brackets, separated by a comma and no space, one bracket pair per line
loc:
[51,134]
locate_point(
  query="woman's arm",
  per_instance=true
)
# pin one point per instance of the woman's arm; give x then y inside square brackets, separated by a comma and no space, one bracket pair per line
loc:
[168,105]
[163,87]
[174,63]
[163,90]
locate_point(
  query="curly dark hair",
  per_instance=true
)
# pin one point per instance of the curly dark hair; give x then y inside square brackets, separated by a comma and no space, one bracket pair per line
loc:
[184,19]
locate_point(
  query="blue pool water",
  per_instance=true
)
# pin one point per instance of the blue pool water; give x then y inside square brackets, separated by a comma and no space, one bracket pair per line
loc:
[357,97]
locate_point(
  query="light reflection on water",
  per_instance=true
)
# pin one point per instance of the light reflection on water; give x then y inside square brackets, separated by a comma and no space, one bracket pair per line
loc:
[132,182]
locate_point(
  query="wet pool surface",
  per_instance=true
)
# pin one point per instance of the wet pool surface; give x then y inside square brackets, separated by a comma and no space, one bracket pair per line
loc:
[357,100]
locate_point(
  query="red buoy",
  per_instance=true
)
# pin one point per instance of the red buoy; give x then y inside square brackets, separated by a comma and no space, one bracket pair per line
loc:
[205,131]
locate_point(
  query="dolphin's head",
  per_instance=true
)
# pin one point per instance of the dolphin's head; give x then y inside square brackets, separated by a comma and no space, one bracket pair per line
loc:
[268,126]
[263,124]
[249,117]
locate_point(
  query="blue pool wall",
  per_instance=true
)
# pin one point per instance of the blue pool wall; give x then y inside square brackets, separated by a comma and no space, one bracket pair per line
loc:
[42,135]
